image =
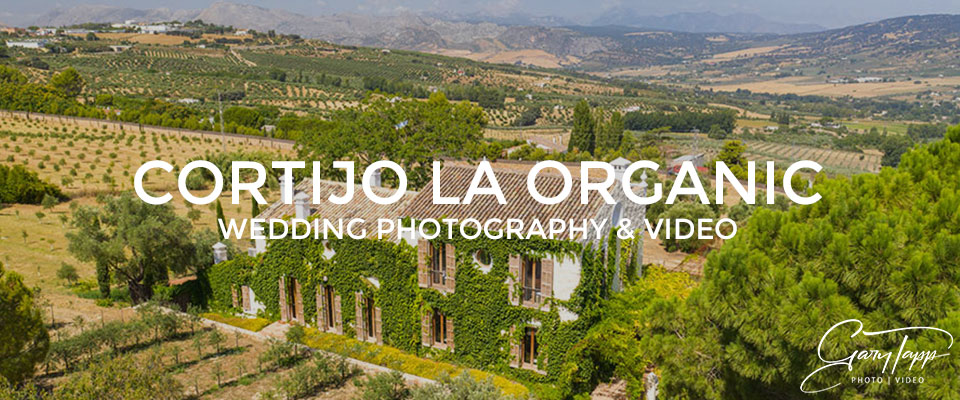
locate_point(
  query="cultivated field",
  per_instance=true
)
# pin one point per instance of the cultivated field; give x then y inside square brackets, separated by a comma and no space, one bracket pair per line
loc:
[834,161]
[88,159]
[804,86]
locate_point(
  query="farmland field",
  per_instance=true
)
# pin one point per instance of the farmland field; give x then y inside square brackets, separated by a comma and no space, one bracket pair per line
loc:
[804,86]
[834,161]
[283,97]
[88,159]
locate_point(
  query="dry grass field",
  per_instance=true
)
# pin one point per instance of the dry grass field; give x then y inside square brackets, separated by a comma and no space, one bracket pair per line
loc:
[159,39]
[804,86]
[538,58]
[751,52]
[33,241]
[86,160]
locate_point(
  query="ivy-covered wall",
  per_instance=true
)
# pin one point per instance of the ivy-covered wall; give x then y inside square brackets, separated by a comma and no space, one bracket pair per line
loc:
[480,306]
[393,264]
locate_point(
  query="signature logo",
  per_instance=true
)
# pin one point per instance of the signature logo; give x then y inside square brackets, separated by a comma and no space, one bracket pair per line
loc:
[890,360]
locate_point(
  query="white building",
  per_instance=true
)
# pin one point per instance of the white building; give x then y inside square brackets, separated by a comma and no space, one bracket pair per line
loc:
[155,29]
[27,44]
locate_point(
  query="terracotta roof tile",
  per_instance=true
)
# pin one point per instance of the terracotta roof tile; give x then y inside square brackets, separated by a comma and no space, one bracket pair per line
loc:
[359,207]
[455,178]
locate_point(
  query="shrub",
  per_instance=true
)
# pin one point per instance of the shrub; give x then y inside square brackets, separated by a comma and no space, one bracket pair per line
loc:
[463,386]
[409,363]
[692,212]
[385,386]
[19,185]
[320,374]
[279,354]
[120,378]
[68,273]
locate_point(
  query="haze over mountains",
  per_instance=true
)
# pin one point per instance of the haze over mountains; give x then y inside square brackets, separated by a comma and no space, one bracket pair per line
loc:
[623,16]
[701,22]
[618,38]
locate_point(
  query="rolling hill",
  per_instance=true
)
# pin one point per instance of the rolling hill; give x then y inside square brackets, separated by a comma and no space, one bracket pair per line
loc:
[629,40]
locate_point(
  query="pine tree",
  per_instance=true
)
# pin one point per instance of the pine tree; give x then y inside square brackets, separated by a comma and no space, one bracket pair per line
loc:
[883,249]
[23,335]
[582,135]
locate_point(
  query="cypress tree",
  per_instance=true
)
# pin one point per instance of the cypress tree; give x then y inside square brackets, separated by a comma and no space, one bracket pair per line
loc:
[254,208]
[610,135]
[103,280]
[582,135]
[220,216]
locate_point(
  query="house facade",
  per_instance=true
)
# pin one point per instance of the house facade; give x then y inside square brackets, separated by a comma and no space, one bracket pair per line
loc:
[489,303]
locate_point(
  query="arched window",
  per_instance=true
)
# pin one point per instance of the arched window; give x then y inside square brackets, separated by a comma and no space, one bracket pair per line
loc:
[616,214]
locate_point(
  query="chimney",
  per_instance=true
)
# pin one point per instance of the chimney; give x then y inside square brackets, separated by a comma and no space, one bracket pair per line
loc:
[219,253]
[260,244]
[302,205]
[375,179]
[283,186]
[619,167]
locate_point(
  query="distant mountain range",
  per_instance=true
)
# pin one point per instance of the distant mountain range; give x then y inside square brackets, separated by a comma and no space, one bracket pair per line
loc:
[619,38]
[705,22]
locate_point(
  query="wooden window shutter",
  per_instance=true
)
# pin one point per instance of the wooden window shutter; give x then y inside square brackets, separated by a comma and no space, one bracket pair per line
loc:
[337,315]
[426,331]
[514,278]
[423,262]
[451,283]
[245,297]
[546,278]
[283,300]
[450,337]
[233,293]
[514,349]
[377,325]
[321,316]
[358,320]
[297,301]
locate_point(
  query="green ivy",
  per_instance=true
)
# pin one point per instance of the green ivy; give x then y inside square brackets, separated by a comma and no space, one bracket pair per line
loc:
[480,306]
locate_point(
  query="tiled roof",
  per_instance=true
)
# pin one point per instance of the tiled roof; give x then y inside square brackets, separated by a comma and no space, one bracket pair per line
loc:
[359,207]
[455,178]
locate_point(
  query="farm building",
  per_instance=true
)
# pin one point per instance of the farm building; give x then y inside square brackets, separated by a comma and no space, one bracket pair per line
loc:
[155,29]
[27,44]
[507,303]
[696,159]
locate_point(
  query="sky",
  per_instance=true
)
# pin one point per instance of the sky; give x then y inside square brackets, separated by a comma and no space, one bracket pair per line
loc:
[828,13]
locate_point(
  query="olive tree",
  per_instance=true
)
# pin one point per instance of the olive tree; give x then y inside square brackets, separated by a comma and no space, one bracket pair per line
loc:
[136,242]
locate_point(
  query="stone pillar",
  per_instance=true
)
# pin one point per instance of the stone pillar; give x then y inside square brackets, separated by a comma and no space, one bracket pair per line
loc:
[219,253]
[283,189]
[302,205]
